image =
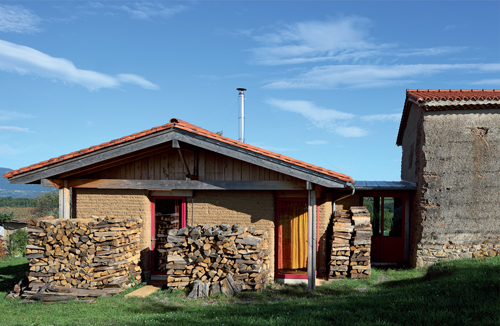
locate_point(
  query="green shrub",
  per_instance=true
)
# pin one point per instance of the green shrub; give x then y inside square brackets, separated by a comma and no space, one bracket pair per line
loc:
[47,203]
[6,217]
[17,243]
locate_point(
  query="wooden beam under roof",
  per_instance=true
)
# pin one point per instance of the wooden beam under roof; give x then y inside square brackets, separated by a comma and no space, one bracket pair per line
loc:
[176,184]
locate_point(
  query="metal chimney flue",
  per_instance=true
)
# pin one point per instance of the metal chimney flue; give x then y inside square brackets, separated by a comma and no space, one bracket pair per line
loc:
[241,117]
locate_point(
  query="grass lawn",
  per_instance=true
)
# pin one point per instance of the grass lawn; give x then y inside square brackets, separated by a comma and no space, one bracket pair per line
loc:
[461,292]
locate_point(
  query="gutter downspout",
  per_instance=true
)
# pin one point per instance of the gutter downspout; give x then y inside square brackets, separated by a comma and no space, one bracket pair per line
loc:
[350,185]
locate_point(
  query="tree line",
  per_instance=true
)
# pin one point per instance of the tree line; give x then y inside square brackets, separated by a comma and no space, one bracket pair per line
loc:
[17,202]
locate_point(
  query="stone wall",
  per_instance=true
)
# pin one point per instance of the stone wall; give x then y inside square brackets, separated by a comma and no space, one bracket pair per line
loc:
[456,209]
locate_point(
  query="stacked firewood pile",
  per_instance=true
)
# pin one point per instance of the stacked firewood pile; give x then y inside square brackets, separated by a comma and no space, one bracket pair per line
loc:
[341,252]
[3,247]
[360,243]
[209,260]
[82,257]
[351,243]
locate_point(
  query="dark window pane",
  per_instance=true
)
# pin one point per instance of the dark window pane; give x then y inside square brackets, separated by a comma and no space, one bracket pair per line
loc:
[374,204]
[393,216]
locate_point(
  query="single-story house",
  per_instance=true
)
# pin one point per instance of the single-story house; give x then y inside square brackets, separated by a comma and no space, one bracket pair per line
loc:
[179,174]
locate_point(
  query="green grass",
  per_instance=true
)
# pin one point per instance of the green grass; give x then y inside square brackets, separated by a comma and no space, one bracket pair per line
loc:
[461,292]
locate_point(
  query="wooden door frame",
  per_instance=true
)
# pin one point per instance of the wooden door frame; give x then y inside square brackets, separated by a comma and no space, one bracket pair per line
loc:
[405,213]
[182,221]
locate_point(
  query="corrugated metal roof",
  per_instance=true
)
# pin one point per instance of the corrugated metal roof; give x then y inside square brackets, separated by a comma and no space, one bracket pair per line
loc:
[385,185]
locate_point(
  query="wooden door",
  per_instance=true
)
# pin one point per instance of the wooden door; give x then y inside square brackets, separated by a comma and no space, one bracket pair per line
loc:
[387,219]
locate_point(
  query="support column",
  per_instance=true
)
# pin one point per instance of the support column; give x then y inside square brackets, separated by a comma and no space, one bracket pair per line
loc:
[311,253]
[64,201]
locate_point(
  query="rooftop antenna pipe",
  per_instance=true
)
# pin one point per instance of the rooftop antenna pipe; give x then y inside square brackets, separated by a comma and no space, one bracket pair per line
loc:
[241,117]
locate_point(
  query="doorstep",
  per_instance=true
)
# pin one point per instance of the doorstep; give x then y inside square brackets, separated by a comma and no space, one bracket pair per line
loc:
[143,292]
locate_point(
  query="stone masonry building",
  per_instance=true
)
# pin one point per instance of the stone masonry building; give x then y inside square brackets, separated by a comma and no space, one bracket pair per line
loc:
[451,150]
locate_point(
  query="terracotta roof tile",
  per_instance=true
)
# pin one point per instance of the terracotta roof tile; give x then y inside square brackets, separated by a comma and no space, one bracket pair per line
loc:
[426,95]
[179,124]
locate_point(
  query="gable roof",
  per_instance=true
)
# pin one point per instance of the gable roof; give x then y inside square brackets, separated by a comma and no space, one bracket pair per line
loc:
[185,132]
[447,99]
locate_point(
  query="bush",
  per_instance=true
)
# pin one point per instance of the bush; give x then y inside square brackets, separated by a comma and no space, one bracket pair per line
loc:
[47,203]
[17,243]
[6,217]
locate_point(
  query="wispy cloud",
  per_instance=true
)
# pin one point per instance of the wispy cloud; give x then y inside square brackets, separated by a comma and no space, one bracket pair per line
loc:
[316,142]
[25,60]
[382,117]
[341,39]
[334,121]
[344,40]
[494,82]
[16,19]
[148,10]
[14,129]
[12,115]
[335,76]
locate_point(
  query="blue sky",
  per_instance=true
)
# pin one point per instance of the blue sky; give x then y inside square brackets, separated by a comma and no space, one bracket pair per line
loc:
[326,80]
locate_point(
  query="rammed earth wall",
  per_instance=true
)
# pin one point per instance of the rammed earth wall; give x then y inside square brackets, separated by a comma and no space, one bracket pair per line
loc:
[454,156]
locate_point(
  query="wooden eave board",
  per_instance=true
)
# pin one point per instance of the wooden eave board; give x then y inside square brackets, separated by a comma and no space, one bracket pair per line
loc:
[136,145]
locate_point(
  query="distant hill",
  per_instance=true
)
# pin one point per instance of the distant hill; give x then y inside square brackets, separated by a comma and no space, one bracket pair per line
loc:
[18,191]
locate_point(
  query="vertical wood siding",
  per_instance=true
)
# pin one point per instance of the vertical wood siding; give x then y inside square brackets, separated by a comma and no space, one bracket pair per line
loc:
[209,166]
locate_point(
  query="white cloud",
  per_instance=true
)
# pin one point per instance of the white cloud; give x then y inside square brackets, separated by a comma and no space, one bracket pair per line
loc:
[382,117]
[135,79]
[343,40]
[26,60]
[495,82]
[12,115]
[316,142]
[16,19]
[335,76]
[313,41]
[14,129]
[334,121]
[331,120]
[148,10]
[439,50]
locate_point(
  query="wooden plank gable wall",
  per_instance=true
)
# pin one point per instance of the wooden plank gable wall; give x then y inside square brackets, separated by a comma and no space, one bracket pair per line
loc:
[207,165]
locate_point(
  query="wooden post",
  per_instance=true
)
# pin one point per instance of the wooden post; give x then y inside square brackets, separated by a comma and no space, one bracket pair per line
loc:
[311,254]
[64,201]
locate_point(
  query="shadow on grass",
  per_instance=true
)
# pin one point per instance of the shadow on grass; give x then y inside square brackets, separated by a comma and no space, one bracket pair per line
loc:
[150,307]
[463,293]
[13,273]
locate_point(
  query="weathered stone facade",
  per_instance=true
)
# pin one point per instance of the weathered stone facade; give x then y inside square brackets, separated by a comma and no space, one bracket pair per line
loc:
[454,157]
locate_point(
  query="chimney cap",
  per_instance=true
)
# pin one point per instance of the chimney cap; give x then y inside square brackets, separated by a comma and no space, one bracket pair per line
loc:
[241,89]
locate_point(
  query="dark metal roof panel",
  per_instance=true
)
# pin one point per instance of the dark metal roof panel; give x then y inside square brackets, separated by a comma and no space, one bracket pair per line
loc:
[385,185]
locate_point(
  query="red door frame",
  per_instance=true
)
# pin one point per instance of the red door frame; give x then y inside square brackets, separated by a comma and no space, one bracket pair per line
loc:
[390,249]
[182,222]
[276,237]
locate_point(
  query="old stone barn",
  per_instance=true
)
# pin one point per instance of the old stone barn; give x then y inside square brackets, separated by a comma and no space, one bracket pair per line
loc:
[451,150]
[178,174]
